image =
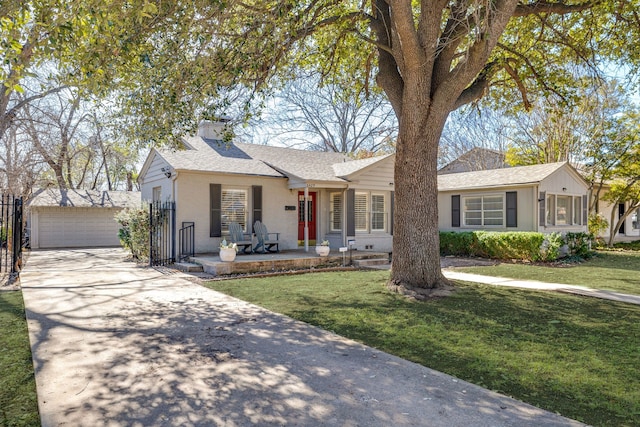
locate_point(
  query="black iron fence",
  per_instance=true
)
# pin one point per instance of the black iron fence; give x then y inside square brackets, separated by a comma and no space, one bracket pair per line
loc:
[11,233]
[186,236]
[162,236]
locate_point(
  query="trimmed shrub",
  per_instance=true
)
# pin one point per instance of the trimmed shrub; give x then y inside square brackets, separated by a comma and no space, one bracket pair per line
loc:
[457,244]
[510,245]
[519,245]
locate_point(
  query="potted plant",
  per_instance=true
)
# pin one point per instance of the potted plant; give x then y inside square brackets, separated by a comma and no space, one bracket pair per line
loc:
[228,251]
[323,248]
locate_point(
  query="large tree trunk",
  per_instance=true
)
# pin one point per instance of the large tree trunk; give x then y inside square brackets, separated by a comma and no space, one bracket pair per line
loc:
[416,241]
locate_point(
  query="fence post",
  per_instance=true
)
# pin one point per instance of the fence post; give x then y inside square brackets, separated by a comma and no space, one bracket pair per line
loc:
[17,233]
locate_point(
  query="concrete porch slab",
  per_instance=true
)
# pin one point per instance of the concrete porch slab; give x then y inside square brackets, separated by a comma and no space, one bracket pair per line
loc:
[284,260]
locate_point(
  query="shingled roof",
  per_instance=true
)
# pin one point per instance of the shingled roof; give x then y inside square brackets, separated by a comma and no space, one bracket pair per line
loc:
[521,175]
[211,155]
[51,197]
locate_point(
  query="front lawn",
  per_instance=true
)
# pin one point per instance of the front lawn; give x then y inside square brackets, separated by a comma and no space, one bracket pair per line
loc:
[18,401]
[573,355]
[615,271]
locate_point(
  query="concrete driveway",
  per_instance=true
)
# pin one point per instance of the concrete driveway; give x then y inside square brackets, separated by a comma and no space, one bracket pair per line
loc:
[119,345]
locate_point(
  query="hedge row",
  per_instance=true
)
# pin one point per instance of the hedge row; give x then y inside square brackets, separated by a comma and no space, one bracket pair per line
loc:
[526,246]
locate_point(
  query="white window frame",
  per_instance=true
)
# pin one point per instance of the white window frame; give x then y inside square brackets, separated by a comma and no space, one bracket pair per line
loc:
[364,213]
[574,214]
[564,213]
[361,211]
[232,215]
[483,211]
[156,194]
[336,211]
[377,213]
[577,210]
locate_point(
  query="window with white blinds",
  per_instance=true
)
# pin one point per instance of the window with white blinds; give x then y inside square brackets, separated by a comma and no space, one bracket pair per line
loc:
[234,208]
[361,211]
[377,212]
[336,211]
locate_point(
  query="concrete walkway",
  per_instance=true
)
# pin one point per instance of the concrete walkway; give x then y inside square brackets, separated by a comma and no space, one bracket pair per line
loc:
[532,284]
[118,345]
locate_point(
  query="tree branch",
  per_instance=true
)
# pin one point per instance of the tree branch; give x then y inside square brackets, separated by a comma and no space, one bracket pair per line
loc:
[558,8]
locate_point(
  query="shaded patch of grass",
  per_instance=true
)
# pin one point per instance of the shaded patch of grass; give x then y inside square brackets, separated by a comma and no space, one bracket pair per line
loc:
[18,400]
[576,356]
[615,271]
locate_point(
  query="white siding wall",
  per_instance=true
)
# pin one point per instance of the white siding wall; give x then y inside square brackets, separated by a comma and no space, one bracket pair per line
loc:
[378,241]
[562,182]
[155,177]
[378,177]
[193,205]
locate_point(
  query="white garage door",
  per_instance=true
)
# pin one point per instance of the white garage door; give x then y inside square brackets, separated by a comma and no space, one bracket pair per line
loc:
[77,227]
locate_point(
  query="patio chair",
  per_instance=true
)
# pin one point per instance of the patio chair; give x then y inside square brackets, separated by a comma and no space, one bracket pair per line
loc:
[265,239]
[240,238]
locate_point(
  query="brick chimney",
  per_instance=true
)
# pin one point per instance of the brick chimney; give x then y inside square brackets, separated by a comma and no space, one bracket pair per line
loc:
[209,129]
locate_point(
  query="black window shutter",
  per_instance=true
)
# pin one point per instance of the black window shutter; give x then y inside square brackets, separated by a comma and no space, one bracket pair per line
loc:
[256,192]
[542,200]
[585,210]
[512,208]
[351,212]
[455,211]
[215,201]
[391,210]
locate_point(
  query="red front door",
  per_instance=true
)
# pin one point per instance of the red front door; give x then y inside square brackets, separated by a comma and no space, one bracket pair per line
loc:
[310,211]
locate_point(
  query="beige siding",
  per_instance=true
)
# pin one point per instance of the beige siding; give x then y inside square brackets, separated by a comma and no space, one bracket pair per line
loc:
[525,209]
[377,177]
[193,205]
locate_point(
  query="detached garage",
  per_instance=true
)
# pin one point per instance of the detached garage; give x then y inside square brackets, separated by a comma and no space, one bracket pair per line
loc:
[77,218]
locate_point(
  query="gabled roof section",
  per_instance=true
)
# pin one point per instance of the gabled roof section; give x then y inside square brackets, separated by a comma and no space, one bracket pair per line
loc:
[85,198]
[521,175]
[346,170]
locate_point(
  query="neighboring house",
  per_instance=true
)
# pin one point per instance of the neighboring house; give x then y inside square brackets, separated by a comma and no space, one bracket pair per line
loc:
[545,198]
[76,218]
[630,228]
[306,196]
[476,159]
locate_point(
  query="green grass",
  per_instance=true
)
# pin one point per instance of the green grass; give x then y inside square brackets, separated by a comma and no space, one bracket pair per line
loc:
[615,271]
[576,356]
[18,401]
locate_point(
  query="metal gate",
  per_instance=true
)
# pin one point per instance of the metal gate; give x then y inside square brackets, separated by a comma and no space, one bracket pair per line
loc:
[11,233]
[162,235]
[186,237]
